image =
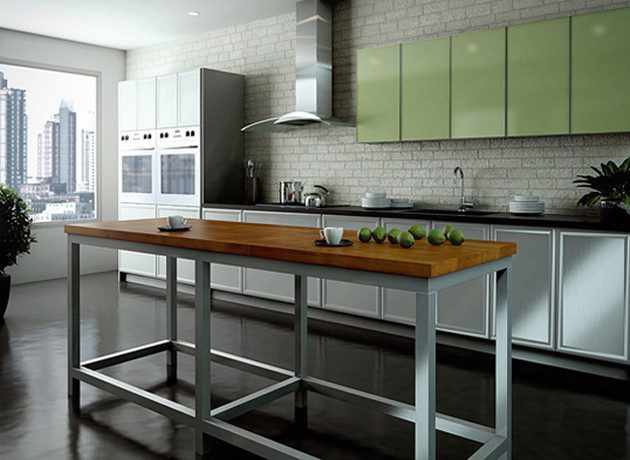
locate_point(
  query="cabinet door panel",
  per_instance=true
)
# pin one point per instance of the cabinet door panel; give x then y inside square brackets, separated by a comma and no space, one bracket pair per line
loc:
[533,284]
[225,277]
[538,78]
[478,84]
[600,86]
[349,297]
[464,308]
[135,262]
[185,268]
[127,105]
[425,81]
[188,97]
[399,305]
[167,101]
[593,294]
[272,285]
[145,103]
[378,94]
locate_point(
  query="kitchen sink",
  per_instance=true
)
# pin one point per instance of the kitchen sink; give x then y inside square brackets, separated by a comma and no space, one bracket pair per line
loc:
[451,212]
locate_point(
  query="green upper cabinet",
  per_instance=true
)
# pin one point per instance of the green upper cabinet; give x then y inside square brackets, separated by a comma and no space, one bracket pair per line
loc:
[378,94]
[538,78]
[478,84]
[600,72]
[425,80]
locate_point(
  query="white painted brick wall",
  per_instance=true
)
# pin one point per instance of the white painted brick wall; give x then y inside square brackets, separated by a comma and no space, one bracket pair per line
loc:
[496,169]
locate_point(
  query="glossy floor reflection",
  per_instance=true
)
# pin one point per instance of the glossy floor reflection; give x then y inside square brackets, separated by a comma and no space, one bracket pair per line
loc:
[556,414]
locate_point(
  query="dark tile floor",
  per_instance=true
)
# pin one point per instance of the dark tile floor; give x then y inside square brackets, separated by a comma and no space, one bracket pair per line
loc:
[557,414]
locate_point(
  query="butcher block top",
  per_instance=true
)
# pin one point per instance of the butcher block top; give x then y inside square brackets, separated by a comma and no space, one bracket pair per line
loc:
[296,244]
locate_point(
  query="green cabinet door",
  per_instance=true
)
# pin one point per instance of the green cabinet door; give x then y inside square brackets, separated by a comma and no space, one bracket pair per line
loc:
[538,78]
[378,94]
[478,84]
[600,72]
[425,97]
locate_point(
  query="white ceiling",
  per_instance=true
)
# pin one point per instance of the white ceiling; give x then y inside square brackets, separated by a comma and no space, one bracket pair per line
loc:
[127,24]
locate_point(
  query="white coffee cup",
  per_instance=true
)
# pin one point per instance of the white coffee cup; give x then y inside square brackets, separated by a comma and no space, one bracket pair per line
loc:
[332,235]
[175,221]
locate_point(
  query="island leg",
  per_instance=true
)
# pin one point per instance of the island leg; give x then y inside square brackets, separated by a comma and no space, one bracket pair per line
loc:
[301,335]
[503,366]
[171,318]
[426,304]
[202,354]
[74,323]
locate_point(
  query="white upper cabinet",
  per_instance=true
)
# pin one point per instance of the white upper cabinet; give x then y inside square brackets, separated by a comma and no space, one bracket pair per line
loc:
[127,105]
[188,96]
[167,101]
[145,103]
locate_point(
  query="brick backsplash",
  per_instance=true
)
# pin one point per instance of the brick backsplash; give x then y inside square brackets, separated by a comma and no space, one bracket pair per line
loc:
[495,169]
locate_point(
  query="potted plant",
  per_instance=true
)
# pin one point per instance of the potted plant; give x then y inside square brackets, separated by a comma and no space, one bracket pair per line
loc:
[15,238]
[610,187]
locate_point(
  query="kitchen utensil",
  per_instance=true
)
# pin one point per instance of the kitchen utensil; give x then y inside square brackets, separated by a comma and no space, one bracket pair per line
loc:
[332,235]
[175,222]
[325,244]
[316,198]
[375,203]
[250,168]
[290,191]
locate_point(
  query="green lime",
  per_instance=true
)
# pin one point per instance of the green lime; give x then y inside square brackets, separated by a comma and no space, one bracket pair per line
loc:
[379,234]
[456,237]
[417,231]
[364,234]
[448,229]
[406,240]
[393,235]
[436,237]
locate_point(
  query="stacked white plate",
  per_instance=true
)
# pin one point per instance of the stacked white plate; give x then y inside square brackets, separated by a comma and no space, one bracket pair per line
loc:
[401,203]
[527,204]
[375,200]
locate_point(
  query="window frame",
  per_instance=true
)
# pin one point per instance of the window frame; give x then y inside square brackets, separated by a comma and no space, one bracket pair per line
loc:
[98,125]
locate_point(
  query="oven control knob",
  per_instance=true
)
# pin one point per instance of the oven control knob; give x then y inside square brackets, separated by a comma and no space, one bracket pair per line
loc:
[187,133]
[149,136]
[122,138]
[192,133]
[165,134]
[161,135]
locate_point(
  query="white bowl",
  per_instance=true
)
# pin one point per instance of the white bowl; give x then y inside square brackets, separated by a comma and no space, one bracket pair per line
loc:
[381,195]
[526,198]
[375,203]
[400,200]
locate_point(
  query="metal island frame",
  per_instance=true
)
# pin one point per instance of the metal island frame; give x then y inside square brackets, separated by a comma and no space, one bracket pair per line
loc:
[222,244]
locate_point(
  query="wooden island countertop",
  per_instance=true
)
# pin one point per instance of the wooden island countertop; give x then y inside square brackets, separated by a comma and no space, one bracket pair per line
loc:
[296,244]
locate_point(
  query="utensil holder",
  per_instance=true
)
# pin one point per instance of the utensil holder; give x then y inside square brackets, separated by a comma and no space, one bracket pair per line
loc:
[251,190]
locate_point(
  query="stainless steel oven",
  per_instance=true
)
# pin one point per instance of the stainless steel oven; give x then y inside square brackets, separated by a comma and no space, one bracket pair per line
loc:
[136,166]
[179,166]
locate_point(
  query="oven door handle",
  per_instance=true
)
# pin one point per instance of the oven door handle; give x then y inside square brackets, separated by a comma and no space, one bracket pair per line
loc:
[179,147]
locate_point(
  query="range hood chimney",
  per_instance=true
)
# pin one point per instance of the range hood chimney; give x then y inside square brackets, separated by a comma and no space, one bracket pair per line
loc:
[313,65]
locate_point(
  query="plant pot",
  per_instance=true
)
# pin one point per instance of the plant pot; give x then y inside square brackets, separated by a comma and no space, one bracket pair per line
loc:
[5,290]
[611,212]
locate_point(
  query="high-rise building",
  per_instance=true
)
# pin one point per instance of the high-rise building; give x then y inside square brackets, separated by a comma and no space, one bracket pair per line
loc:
[47,149]
[64,162]
[88,160]
[13,135]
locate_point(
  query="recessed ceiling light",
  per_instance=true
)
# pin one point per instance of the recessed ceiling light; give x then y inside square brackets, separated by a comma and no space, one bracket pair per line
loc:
[193,13]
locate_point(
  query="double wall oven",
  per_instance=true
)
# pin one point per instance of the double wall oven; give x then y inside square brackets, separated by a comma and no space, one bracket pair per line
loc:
[161,166]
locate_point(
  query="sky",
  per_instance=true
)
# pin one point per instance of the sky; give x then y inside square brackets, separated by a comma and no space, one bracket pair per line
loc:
[44,91]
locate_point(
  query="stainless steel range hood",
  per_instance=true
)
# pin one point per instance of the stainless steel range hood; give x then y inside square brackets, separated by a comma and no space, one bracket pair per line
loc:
[313,64]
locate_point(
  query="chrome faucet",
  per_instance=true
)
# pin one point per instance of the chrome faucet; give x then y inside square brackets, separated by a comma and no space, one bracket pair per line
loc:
[463,204]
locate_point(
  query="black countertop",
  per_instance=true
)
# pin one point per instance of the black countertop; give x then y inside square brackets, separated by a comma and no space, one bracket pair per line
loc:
[482,217]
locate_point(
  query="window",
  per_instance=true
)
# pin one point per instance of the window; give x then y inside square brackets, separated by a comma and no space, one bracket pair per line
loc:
[48,141]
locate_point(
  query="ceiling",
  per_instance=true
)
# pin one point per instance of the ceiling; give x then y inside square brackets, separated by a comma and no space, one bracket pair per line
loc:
[127,24]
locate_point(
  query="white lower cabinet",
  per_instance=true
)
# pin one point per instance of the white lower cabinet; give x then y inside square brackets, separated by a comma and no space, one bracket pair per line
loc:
[225,277]
[134,262]
[593,294]
[185,268]
[273,285]
[399,305]
[352,298]
[533,284]
[465,308]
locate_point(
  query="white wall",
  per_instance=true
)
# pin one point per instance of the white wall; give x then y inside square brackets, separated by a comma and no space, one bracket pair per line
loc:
[48,256]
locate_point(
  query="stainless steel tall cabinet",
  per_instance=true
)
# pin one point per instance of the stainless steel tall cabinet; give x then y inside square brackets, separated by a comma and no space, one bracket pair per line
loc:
[180,146]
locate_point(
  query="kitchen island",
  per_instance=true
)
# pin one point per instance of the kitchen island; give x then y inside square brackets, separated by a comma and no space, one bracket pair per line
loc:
[423,269]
